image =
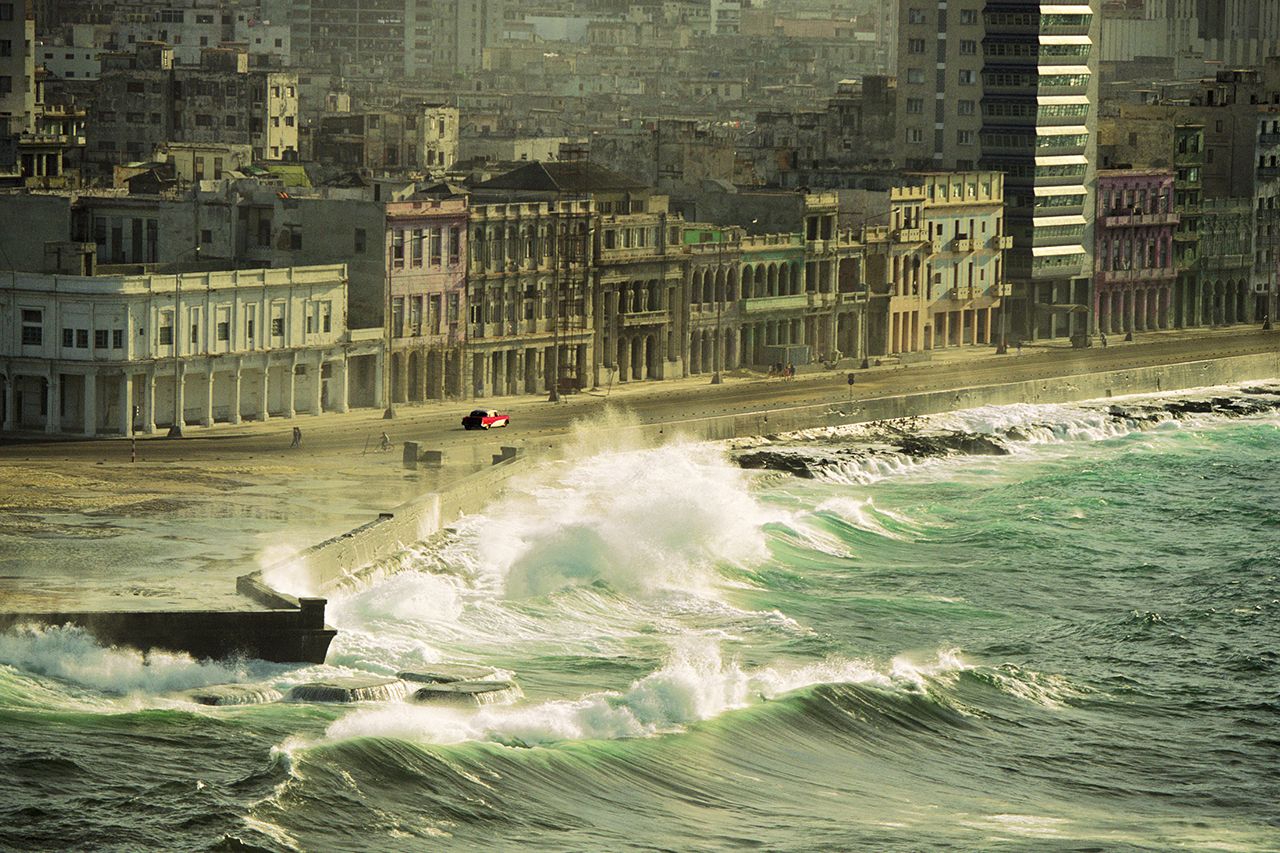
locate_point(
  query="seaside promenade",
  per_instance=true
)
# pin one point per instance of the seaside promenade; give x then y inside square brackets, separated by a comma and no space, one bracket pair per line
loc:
[82,523]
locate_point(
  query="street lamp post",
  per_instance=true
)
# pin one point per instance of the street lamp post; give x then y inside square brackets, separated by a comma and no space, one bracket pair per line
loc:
[719,296]
[557,249]
[175,429]
[390,412]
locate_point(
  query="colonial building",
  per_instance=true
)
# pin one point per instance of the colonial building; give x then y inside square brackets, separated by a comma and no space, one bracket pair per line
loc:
[127,352]
[1135,270]
[529,310]
[939,264]
[423,139]
[427,252]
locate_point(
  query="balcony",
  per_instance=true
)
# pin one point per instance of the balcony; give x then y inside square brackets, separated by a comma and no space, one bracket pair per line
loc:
[1269,172]
[768,304]
[646,318]
[911,235]
[1137,276]
[964,245]
[1001,242]
[1121,220]
[1269,138]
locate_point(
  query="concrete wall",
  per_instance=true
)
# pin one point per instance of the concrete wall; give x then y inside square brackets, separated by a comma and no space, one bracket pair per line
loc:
[340,561]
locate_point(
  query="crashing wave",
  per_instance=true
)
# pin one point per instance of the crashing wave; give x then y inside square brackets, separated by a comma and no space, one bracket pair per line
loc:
[864,453]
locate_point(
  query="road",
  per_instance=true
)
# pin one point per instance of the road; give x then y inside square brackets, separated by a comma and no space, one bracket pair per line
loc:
[534,420]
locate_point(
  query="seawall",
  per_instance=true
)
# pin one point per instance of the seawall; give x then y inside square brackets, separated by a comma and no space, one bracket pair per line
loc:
[345,559]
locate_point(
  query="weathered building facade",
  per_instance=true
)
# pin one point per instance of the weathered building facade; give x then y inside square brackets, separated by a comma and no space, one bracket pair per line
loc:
[124,353]
[426,249]
[1135,268]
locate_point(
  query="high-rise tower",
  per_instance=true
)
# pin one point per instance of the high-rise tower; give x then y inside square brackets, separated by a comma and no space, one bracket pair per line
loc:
[1011,85]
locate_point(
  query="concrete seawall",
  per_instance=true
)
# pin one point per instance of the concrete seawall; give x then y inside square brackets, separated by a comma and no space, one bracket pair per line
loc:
[292,629]
[344,559]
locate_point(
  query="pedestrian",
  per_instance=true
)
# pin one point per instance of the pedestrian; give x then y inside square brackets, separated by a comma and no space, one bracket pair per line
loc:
[1103,335]
[1018,344]
[297,437]
[791,370]
[384,443]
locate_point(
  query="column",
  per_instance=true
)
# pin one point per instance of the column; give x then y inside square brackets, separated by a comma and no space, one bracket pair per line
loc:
[207,418]
[149,403]
[291,389]
[379,392]
[235,391]
[179,393]
[10,417]
[91,403]
[126,404]
[51,403]
[943,325]
[317,387]
[264,407]
[343,404]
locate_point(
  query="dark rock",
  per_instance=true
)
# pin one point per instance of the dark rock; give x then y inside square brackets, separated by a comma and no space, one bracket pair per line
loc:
[768,460]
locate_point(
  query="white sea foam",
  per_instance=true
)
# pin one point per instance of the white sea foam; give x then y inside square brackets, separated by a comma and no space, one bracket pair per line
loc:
[696,684]
[71,654]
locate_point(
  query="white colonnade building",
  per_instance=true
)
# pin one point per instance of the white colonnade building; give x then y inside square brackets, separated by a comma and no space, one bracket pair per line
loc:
[121,354]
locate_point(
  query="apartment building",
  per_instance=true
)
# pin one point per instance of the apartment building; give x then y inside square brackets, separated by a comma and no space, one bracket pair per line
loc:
[1010,86]
[426,250]
[144,100]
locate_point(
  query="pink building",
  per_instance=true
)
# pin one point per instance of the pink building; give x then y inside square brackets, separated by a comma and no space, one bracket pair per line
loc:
[427,264]
[1134,269]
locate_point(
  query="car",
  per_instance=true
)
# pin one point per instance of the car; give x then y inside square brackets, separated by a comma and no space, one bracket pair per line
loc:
[485,419]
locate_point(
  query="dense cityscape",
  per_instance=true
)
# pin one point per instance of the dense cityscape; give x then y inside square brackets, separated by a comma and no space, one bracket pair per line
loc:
[637,425]
[463,199]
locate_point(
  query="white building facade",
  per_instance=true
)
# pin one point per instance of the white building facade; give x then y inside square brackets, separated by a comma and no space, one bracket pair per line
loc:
[120,354]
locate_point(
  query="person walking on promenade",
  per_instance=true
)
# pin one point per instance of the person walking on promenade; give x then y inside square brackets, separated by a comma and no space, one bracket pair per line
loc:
[297,437]
[1103,335]
[384,443]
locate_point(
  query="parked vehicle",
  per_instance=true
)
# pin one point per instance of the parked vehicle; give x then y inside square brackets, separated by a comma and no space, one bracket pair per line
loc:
[485,419]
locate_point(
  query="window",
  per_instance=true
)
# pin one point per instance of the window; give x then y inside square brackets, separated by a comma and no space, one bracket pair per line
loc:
[361,240]
[968,16]
[966,77]
[277,327]
[295,240]
[117,338]
[436,258]
[32,327]
[916,16]
[915,106]
[100,338]
[6,49]
[968,47]
[915,75]
[68,338]
[166,328]
[203,120]
[6,11]
[915,135]
[224,330]
[915,45]
[82,338]
[230,121]
[326,317]
[965,108]
[397,250]
[288,121]
[964,137]
[195,332]
[455,242]
[6,85]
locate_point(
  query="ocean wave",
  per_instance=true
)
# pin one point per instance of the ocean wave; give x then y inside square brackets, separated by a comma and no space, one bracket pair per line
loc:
[695,685]
[861,454]
[71,654]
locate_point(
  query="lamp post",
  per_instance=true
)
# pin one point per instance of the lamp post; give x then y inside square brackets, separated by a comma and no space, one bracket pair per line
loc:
[557,249]
[390,412]
[719,296]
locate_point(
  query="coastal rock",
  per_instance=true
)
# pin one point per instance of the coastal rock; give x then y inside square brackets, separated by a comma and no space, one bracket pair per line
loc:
[449,673]
[771,461]
[470,694]
[354,688]
[233,694]
[945,444]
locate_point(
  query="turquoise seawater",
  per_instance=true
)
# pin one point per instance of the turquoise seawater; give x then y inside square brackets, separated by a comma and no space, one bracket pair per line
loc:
[1063,636]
